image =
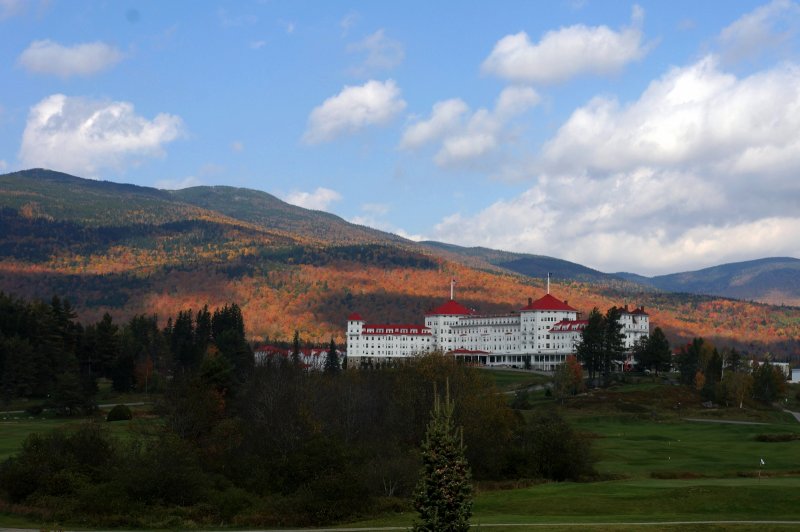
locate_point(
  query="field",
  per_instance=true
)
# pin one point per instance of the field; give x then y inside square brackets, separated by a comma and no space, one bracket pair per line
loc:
[508,380]
[660,466]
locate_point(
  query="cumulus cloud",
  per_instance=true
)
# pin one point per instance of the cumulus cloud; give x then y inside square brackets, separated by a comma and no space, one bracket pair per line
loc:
[3,164]
[82,136]
[465,138]
[177,184]
[354,108]
[52,58]
[700,169]
[765,28]
[382,53]
[566,53]
[445,117]
[698,115]
[318,200]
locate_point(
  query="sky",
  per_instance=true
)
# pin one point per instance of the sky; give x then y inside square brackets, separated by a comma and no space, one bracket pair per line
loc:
[650,137]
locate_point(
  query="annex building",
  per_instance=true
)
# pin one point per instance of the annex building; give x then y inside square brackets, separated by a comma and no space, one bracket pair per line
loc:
[543,332]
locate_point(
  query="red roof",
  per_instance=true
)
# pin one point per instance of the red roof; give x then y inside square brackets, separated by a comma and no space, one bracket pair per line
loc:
[451,308]
[355,316]
[548,302]
[468,352]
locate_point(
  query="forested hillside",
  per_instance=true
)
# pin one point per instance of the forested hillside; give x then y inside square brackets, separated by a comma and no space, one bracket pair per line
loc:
[130,250]
[773,280]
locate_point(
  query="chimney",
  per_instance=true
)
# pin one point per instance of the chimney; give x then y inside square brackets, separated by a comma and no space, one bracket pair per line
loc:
[626,307]
[566,302]
[530,301]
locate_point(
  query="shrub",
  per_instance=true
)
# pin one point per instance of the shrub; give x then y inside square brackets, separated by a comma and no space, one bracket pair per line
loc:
[120,413]
[34,410]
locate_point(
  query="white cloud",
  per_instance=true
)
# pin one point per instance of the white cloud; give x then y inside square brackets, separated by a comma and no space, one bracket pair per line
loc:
[257,45]
[699,170]
[567,52]
[465,139]
[3,164]
[445,117]
[767,27]
[177,184]
[48,57]
[382,53]
[698,116]
[81,135]
[318,200]
[354,108]
[237,146]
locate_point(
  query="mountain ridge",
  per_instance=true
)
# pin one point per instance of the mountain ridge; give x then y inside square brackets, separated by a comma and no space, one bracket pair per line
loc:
[130,250]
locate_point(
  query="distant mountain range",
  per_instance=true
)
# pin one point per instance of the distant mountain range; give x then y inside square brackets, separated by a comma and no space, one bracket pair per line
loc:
[772,280]
[128,249]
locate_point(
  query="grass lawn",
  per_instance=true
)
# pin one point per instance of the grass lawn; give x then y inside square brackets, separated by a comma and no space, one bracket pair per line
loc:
[510,380]
[14,431]
[631,501]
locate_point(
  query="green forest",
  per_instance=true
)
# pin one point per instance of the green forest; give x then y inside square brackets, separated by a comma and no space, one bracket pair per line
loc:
[233,442]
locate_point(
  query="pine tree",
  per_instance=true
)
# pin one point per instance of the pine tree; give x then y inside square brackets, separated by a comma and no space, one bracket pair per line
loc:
[443,496]
[332,360]
[296,348]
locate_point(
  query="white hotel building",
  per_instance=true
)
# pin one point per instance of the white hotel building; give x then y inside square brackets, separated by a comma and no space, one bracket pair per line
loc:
[544,332]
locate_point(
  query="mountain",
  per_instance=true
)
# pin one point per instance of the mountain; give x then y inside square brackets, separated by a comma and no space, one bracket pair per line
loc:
[128,250]
[772,280]
[536,266]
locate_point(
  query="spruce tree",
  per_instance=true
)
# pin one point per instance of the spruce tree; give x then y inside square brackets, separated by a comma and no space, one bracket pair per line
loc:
[332,365]
[296,349]
[443,495]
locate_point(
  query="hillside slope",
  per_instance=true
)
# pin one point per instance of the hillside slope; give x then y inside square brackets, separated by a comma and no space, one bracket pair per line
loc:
[772,280]
[130,250]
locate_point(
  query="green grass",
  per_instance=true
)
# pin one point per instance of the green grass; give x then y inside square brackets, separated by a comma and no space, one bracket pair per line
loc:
[509,380]
[14,431]
[633,501]
[639,448]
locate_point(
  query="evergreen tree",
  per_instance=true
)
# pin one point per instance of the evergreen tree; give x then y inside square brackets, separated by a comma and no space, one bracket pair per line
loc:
[296,348]
[613,342]
[590,348]
[332,365]
[653,352]
[443,496]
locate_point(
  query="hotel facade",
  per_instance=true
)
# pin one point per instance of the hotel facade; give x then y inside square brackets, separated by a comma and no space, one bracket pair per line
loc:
[543,333]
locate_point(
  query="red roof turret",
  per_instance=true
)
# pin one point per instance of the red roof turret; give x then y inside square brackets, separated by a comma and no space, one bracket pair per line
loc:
[548,302]
[451,308]
[355,316]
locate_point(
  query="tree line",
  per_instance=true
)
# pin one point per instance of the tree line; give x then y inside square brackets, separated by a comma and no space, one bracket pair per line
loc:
[47,354]
[255,444]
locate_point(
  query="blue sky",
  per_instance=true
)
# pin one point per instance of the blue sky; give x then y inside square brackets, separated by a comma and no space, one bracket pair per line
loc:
[651,137]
